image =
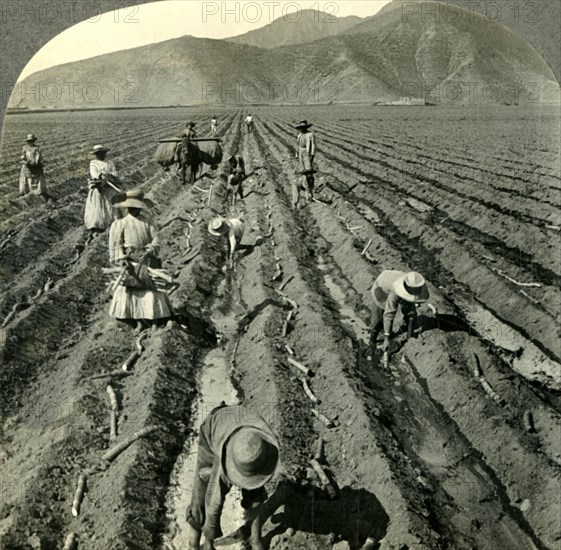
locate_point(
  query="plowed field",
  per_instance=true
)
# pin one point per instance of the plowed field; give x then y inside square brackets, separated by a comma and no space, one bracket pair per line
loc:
[424,453]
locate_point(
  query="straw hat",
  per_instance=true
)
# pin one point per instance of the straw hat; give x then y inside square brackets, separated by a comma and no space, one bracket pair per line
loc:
[218,227]
[303,124]
[31,137]
[250,457]
[133,198]
[99,149]
[412,287]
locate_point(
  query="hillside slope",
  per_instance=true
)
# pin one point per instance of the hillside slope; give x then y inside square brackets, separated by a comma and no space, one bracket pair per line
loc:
[387,58]
[296,28]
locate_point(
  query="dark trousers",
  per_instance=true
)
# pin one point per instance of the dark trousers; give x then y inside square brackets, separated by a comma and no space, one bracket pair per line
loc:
[196,513]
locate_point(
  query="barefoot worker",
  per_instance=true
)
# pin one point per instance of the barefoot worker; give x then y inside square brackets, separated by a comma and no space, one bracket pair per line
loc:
[236,448]
[391,290]
[306,152]
[234,180]
[99,212]
[32,178]
[133,244]
[233,228]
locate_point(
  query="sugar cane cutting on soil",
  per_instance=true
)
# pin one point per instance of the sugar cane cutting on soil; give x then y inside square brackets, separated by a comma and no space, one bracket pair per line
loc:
[377,278]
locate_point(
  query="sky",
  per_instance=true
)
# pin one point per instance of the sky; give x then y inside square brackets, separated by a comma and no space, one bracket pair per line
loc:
[134,26]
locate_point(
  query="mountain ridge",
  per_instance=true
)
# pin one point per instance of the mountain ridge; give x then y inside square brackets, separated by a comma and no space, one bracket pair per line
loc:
[385,58]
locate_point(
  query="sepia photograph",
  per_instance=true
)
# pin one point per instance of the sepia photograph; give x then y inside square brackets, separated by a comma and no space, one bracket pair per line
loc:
[280,275]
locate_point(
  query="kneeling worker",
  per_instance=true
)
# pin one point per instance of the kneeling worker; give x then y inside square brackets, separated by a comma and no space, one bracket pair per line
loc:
[392,290]
[236,448]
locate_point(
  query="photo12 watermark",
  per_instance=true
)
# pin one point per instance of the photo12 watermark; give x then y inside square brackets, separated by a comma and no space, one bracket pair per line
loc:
[466,92]
[28,11]
[267,12]
[247,93]
[52,94]
[471,11]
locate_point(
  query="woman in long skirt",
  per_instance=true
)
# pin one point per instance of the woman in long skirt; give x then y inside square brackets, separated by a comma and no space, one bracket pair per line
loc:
[133,244]
[99,212]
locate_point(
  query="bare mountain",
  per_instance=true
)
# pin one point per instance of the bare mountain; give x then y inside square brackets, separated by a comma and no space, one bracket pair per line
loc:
[296,28]
[387,58]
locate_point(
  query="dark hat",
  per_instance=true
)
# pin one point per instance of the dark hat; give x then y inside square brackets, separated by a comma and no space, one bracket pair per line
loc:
[303,124]
[250,458]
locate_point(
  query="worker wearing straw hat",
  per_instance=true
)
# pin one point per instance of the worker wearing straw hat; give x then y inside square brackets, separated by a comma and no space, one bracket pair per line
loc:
[233,228]
[236,448]
[99,213]
[32,178]
[306,152]
[393,290]
[133,244]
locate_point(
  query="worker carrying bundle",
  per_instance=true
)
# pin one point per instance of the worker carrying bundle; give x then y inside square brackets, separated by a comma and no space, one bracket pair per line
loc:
[133,245]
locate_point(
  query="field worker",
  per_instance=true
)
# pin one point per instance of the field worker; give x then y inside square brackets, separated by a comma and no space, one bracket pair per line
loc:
[32,178]
[306,152]
[235,178]
[99,213]
[133,244]
[391,290]
[213,126]
[233,228]
[249,124]
[188,132]
[236,448]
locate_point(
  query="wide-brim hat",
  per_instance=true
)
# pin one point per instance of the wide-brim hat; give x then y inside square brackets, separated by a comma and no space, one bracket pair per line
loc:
[412,287]
[99,149]
[250,457]
[191,123]
[218,227]
[131,199]
[303,124]
[31,137]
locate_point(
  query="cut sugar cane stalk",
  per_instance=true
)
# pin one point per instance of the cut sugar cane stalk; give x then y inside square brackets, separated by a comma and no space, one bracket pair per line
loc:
[282,287]
[365,250]
[70,542]
[289,349]
[130,360]
[115,451]
[319,450]
[113,432]
[310,394]
[112,397]
[286,323]
[299,366]
[485,385]
[17,307]
[140,343]
[323,478]
[320,416]
[79,495]
[112,374]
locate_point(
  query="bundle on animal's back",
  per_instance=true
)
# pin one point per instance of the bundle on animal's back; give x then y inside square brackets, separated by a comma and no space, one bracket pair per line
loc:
[210,152]
[165,154]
